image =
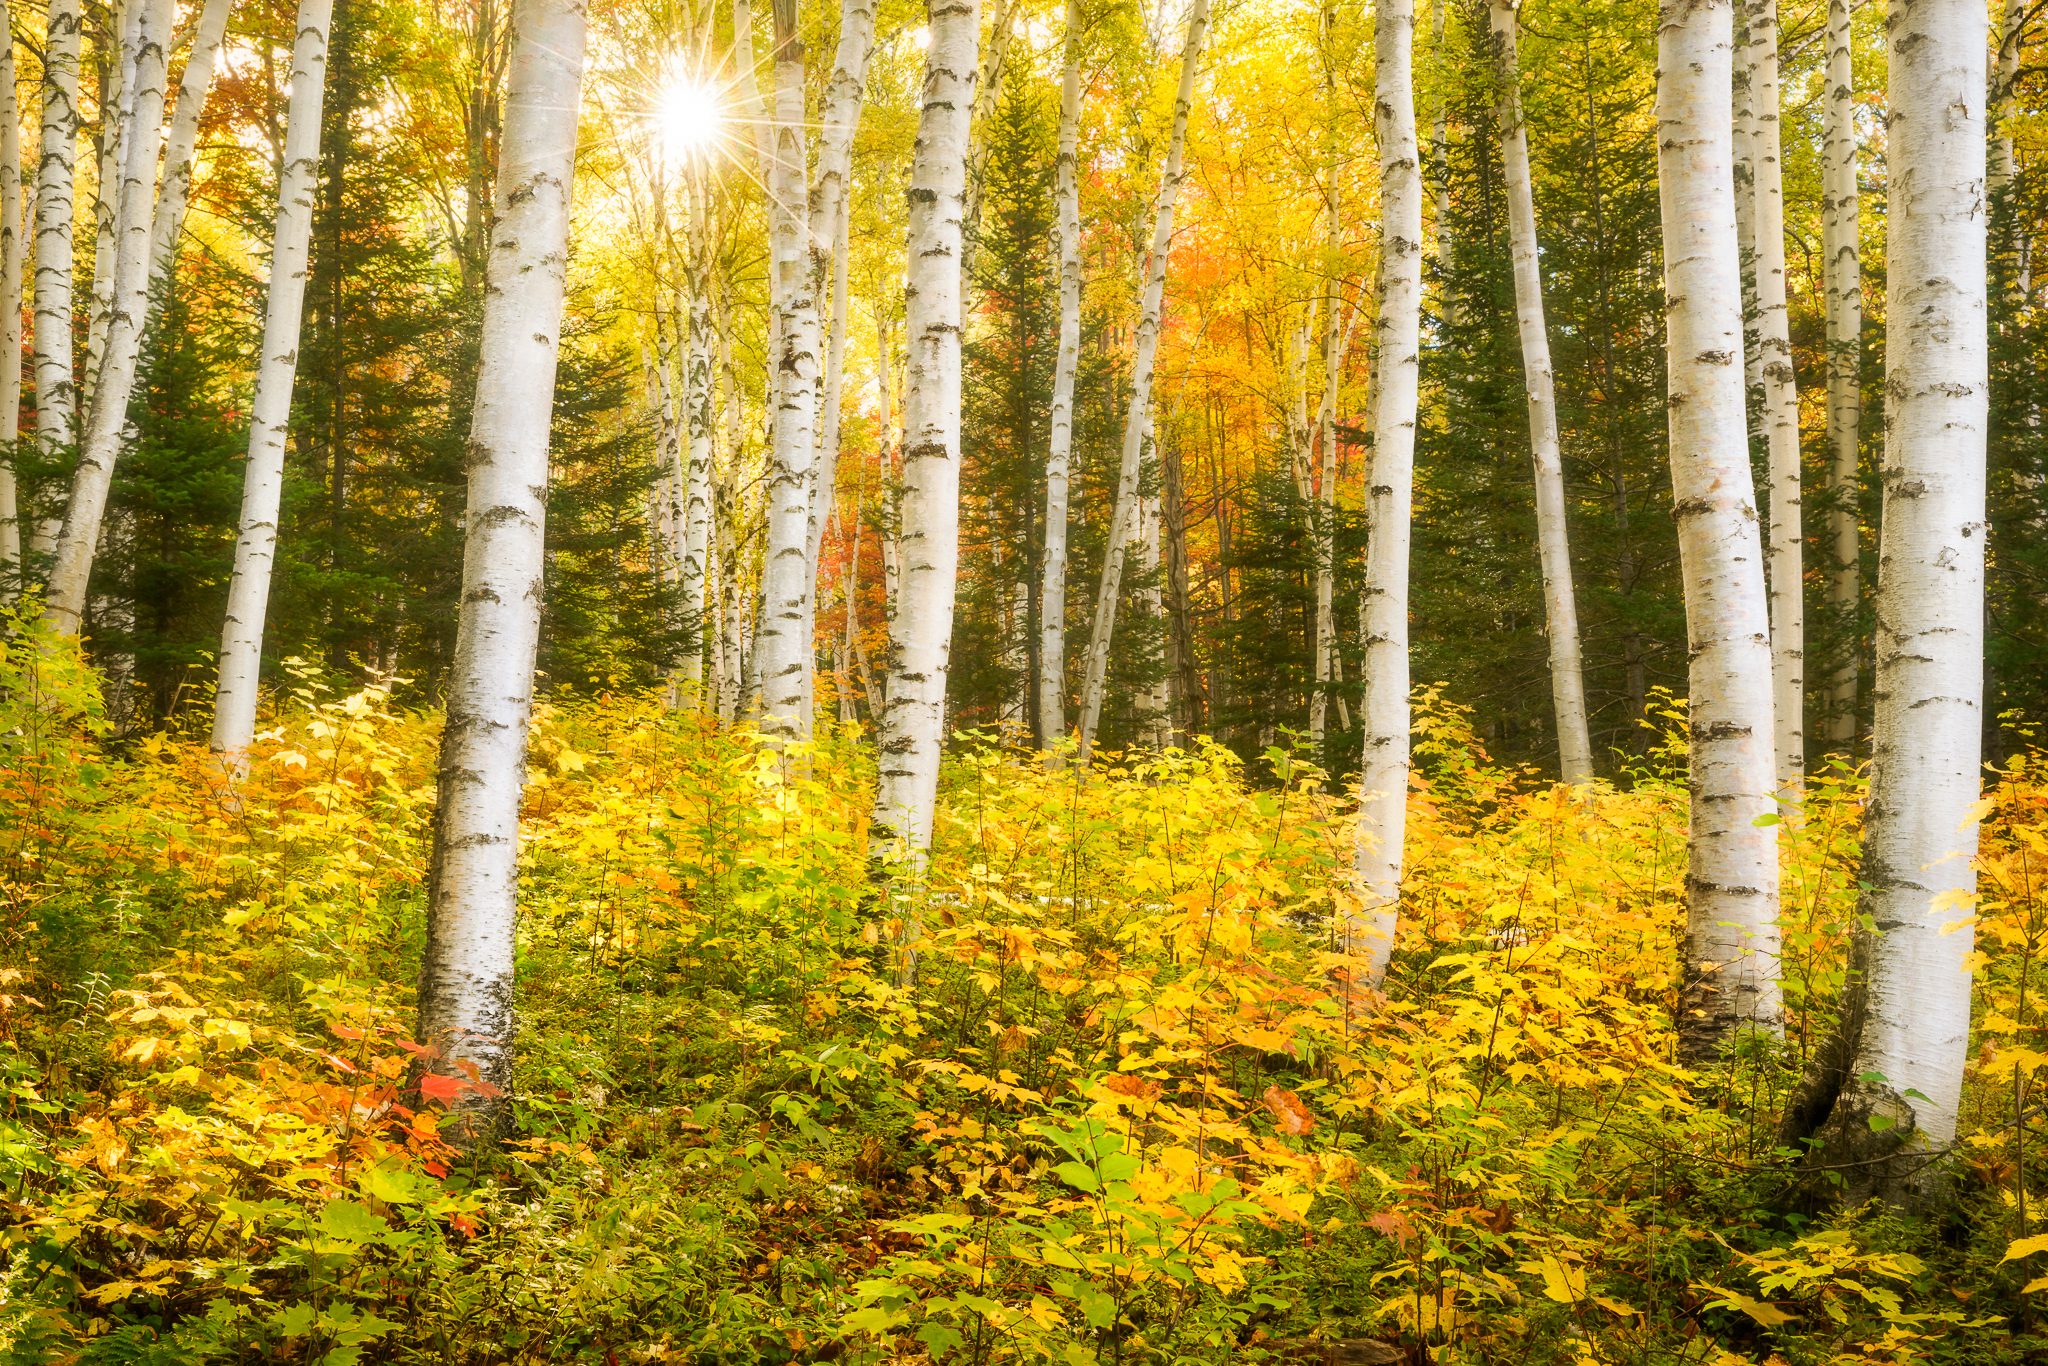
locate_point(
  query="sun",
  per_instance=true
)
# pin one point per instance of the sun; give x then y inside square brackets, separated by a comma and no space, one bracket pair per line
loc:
[689,118]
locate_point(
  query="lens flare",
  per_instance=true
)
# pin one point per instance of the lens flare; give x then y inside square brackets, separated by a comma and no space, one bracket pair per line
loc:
[689,118]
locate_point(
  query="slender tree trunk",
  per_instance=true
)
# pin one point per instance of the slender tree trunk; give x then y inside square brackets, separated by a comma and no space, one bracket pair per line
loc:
[1842,246]
[697,401]
[2011,33]
[1383,772]
[1784,552]
[466,969]
[1732,876]
[101,447]
[1326,484]
[1743,159]
[1560,603]
[117,94]
[176,192]
[56,387]
[1904,1039]
[1052,593]
[10,316]
[241,639]
[782,638]
[1136,419]
[912,727]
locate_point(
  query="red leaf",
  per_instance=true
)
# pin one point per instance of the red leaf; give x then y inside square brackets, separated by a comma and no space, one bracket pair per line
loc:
[435,1169]
[434,1086]
[342,1063]
[1294,1117]
[1394,1225]
[344,1031]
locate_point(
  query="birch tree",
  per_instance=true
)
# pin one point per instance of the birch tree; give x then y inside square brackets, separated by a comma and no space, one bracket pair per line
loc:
[1560,603]
[911,728]
[56,390]
[698,425]
[1732,868]
[1384,719]
[1841,245]
[1124,522]
[116,103]
[1325,506]
[466,968]
[1052,596]
[1784,551]
[1903,1042]
[100,443]
[10,315]
[241,637]
[179,148]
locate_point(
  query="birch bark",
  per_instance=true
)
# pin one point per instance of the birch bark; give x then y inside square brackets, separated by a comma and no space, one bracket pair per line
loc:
[1784,551]
[912,725]
[466,968]
[101,445]
[176,192]
[56,389]
[1326,483]
[1052,594]
[697,400]
[10,315]
[1904,1039]
[1732,874]
[1384,719]
[1096,666]
[1553,537]
[241,637]
[1842,246]
[782,637]
[116,102]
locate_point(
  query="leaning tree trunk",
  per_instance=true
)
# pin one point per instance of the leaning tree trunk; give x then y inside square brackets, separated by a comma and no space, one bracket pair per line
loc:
[1904,1039]
[1560,603]
[1842,246]
[111,141]
[1784,551]
[1096,669]
[241,637]
[56,389]
[10,317]
[179,149]
[1732,872]
[1383,771]
[782,636]
[912,724]
[100,447]
[466,968]
[1052,593]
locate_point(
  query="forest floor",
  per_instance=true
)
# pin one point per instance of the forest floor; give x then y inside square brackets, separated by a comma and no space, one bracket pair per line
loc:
[1123,1116]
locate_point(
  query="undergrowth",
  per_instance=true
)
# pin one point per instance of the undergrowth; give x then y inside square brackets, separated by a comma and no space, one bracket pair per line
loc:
[1129,1113]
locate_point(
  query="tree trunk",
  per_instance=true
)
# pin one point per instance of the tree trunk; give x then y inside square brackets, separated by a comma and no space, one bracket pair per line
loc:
[1842,246]
[697,400]
[1052,594]
[1383,771]
[1732,873]
[10,317]
[2011,34]
[101,446]
[466,981]
[1784,552]
[1136,418]
[1560,602]
[1325,511]
[117,94]
[912,727]
[56,388]
[1904,1041]
[176,191]
[241,638]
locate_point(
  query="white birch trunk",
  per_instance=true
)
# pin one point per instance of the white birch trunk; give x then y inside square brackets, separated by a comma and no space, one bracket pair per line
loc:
[1920,828]
[1157,703]
[1560,603]
[1383,770]
[1096,666]
[10,317]
[912,726]
[100,447]
[1732,875]
[179,148]
[697,401]
[1784,550]
[466,969]
[56,386]
[1842,247]
[241,637]
[2011,32]
[1326,483]
[781,666]
[1052,593]
[111,143]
